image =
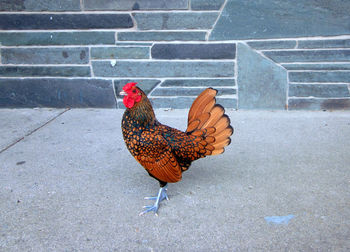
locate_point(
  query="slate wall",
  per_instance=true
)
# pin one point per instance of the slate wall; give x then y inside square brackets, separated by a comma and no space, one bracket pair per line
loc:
[258,54]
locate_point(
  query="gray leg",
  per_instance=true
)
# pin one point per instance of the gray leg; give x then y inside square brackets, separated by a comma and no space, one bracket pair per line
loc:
[161,196]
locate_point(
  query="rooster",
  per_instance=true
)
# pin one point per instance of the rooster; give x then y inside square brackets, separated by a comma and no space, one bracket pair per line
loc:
[166,152]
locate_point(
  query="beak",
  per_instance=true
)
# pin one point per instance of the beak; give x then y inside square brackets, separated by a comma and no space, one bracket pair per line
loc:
[122,93]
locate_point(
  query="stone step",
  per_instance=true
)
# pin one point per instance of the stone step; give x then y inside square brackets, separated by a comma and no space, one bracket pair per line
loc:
[317,66]
[274,44]
[284,56]
[319,90]
[318,104]
[320,76]
[327,43]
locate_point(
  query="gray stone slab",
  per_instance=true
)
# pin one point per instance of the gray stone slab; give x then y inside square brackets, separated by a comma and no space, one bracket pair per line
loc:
[161,36]
[282,19]
[147,85]
[183,102]
[261,83]
[175,21]
[45,55]
[64,21]
[206,4]
[274,44]
[309,55]
[172,102]
[316,66]
[39,5]
[318,104]
[135,5]
[56,38]
[320,76]
[194,51]
[198,82]
[319,90]
[227,103]
[329,43]
[15,126]
[80,189]
[163,69]
[59,93]
[135,43]
[129,52]
[182,91]
[45,71]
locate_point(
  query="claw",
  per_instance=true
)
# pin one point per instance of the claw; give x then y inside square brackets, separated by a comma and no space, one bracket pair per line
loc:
[161,196]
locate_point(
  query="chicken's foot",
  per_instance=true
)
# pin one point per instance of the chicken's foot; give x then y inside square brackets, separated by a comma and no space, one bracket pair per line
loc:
[161,196]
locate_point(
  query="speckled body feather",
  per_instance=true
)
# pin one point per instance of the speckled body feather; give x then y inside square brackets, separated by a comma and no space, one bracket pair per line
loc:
[166,152]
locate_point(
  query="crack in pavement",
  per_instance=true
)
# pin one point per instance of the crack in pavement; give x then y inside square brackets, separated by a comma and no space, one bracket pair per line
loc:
[33,131]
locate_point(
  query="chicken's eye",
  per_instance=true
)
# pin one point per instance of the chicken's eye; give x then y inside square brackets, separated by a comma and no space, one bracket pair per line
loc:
[134,91]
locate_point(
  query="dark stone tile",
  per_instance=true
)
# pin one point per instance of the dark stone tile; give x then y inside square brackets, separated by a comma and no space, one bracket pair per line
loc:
[309,55]
[163,69]
[45,55]
[186,102]
[60,93]
[12,5]
[198,82]
[64,21]
[135,5]
[194,51]
[133,44]
[277,44]
[45,71]
[183,102]
[282,19]
[330,66]
[175,21]
[56,38]
[120,52]
[261,83]
[172,102]
[146,85]
[329,43]
[181,91]
[161,36]
[206,4]
[325,76]
[318,104]
[39,5]
[319,90]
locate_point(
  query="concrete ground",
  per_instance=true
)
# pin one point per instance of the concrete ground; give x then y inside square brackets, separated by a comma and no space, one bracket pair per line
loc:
[68,183]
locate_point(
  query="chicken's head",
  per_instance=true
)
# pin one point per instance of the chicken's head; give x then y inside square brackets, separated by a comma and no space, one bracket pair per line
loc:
[131,94]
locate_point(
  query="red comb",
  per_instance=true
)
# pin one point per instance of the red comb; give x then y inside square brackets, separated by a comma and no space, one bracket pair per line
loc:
[129,85]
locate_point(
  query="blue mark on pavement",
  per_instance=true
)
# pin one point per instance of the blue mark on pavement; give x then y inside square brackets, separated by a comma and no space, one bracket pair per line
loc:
[279,219]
